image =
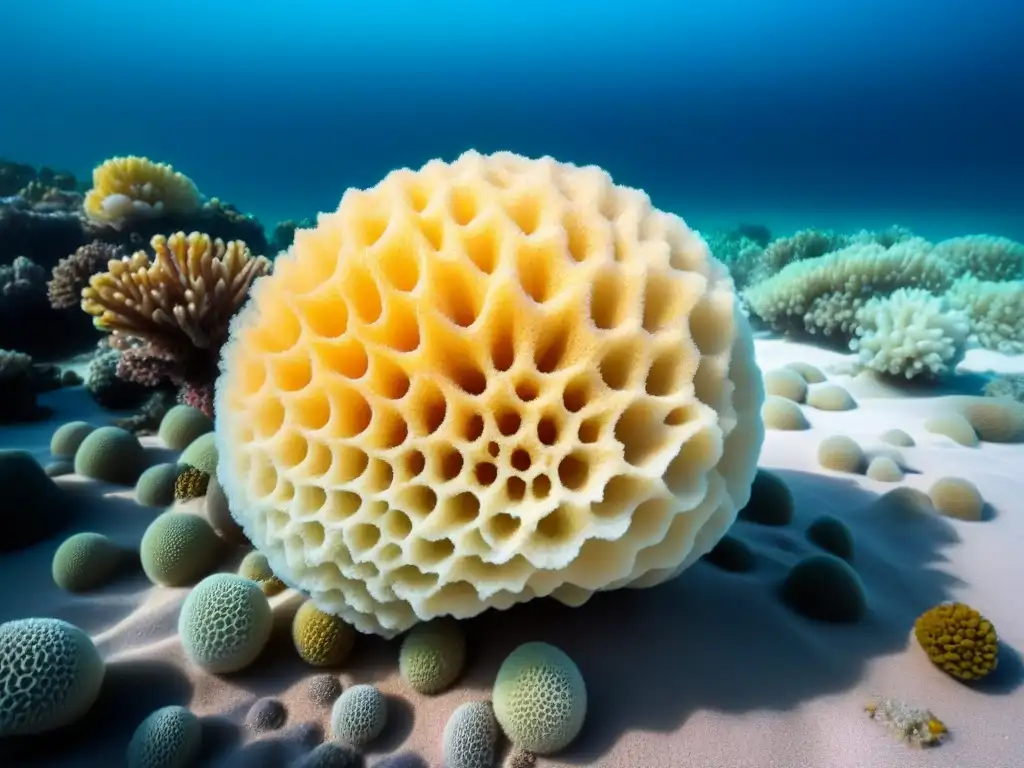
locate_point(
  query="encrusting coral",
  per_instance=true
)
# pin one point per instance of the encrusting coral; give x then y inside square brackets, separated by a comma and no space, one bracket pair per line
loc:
[175,306]
[130,187]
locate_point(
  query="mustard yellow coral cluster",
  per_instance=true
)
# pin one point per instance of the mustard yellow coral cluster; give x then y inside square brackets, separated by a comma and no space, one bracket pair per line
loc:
[186,294]
[959,640]
[130,187]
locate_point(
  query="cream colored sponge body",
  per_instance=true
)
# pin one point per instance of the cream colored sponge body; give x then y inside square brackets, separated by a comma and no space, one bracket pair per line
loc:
[484,382]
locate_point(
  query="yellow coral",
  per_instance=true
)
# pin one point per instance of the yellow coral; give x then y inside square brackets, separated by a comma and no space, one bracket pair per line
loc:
[187,294]
[134,187]
[321,639]
[958,640]
[191,484]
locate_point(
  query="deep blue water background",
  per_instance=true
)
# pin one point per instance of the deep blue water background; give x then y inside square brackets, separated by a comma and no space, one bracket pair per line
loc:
[791,112]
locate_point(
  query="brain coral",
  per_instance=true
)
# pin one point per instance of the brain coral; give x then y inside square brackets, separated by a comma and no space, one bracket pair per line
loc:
[484,382]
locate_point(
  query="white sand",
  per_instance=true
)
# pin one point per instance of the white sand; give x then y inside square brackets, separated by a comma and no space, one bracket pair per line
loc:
[709,670]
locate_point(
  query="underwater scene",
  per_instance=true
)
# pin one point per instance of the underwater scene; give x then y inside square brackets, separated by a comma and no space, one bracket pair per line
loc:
[494,385]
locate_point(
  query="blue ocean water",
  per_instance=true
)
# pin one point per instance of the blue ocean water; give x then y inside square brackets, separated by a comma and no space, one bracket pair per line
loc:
[791,113]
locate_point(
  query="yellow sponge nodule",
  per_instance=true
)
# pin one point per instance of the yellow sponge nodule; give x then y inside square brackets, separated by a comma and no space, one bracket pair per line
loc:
[483,382]
[958,640]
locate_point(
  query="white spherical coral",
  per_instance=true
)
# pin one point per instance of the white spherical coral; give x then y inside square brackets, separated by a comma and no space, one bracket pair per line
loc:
[910,333]
[484,382]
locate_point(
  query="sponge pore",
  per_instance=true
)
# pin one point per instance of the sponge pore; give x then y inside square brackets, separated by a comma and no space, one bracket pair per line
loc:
[484,382]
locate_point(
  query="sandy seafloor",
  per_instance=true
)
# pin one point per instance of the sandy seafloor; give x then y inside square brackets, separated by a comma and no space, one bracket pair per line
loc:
[708,670]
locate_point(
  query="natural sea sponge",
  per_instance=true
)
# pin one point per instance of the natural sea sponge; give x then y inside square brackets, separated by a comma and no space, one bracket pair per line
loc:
[830,397]
[359,715]
[825,588]
[783,414]
[810,374]
[470,736]
[771,500]
[112,455]
[955,427]
[201,453]
[898,438]
[33,508]
[540,699]
[191,483]
[224,623]
[841,454]
[255,566]
[67,437]
[155,486]
[959,498]
[331,754]
[86,561]
[485,382]
[958,640]
[323,689]
[787,383]
[183,424]
[995,420]
[170,737]
[219,515]
[178,548]
[50,675]
[831,534]
[884,469]
[732,554]
[321,639]
[266,714]
[433,655]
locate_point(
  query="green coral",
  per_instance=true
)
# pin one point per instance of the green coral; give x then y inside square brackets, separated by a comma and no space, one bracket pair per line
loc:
[50,675]
[191,483]
[85,561]
[470,736]
[168,738]
[433,655]
[322,639]
[224,623]
[178,548]
[359,715]
[112,455]
[540,699]
[183,424]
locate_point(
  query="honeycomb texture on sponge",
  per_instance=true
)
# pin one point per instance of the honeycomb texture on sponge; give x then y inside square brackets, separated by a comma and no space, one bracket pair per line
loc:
[483,382]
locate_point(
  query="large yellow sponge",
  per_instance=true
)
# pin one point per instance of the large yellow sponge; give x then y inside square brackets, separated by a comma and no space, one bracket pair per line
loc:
[484,382]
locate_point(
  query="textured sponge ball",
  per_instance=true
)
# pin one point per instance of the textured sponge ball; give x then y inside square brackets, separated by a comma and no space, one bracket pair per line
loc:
[484,382]
[994,420]
[841,454]
[68,437]
[255,566]
[470,736]
[181,425]
[168,738]
[224,623]
[540,699]
[112,455]
[433,655]
[783,414]
[955,427]
[359,715]
[771,501]
[86,561]
[178,548]
[786,383]
[321,639]
[50,675]
[810,373]
[958,640]
[957,498]
[33,508]
[832,535]
[155,487]
[201,453]
[825,588]
[830,397]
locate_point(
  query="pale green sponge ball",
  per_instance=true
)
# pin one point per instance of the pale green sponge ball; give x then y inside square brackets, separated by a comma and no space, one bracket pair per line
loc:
[201,453]
[224,623]
[178,548]
[112,455]
[470,736]
[155,487]
[433,655]
[540,699]
[359,715]
[86,561]
[181,425]
[68,437]
[168,738]
[50,675]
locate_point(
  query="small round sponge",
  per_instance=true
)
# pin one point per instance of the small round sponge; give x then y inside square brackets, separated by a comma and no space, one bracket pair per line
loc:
[255,566]
[957,498]
[35,508]
[783,414]
[359,715]
[825,588]
[178,548]
[841,454]
[168,738]
[787,383]
[111,454]
[155,487]
[85,561]
[201,453]
[958,640]
[191,483]
[771,501]
[50,675]
[831,534]
[322,639]
[470,736]
[181,425]
[540,698]
[68,437]
[830,397]
[224,623]
[433,655]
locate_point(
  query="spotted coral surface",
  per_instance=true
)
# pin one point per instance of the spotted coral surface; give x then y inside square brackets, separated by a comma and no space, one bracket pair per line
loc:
[958,640]
[225,622]
[168,738]
[484,382]
[359,715]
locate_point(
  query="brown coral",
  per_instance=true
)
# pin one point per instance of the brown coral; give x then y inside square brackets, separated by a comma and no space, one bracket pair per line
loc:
[72,273]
